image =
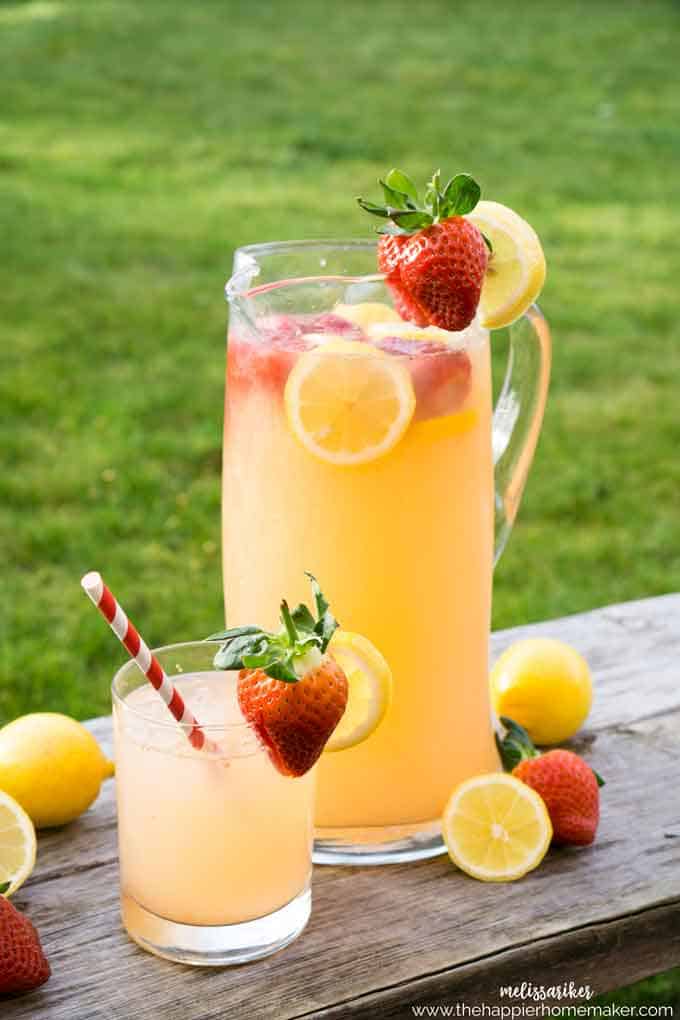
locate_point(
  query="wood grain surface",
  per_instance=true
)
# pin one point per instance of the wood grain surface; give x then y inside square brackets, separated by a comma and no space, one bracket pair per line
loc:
[383,939]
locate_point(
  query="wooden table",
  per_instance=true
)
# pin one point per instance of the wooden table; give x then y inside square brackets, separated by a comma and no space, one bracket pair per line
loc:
[383,939]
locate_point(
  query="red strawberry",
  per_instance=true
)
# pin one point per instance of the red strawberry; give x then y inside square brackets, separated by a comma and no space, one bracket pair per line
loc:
[433,258]
[23,965]
[291,692]
[442,269]
[330,323]
[441,375]
[294,720]
[567,784]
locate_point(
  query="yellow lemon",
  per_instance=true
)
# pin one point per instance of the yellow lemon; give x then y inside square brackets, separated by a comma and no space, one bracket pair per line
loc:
[369,679]
[52,766]
[516,271]
[496,828]
[17,845]
[545,686]
[348,402]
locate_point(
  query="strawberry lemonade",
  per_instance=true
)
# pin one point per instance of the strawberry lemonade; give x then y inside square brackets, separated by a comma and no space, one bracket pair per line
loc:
[358,445]
[215,847]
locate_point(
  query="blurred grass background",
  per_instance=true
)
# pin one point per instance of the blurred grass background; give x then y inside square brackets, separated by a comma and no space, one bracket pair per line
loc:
[141,142]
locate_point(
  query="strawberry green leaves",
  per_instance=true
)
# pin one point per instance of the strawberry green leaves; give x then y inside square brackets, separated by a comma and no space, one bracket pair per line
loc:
[301,638]
[402,206]
[517,746]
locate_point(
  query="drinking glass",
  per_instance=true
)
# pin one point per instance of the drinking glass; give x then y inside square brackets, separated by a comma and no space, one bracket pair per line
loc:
[215,846]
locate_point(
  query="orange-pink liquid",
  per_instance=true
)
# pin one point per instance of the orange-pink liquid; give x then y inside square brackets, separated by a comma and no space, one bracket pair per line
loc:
[402,547]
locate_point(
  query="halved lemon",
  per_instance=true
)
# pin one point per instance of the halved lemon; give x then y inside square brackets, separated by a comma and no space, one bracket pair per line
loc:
[348,402]
[496,827]
[516,270]
[17,845]
[370,688]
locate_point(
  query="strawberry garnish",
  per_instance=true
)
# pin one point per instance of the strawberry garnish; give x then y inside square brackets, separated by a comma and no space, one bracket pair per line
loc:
[563,779]
[434,260]
[23,965]
[291,691]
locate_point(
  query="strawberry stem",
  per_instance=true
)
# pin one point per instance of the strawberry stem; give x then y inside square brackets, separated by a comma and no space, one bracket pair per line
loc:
[288,623]
[516,745]
[408,213]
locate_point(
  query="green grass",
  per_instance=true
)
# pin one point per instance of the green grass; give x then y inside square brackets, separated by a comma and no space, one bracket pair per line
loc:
[141,142]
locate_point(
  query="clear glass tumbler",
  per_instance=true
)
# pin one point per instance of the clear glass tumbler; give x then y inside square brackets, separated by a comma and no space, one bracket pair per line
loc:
[215,847]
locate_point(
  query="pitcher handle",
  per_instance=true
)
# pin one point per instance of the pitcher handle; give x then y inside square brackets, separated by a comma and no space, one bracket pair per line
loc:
[518,415]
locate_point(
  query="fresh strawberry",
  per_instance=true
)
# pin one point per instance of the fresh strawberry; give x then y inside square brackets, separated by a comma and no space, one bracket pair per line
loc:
[433,258]
[390,252]
[564,780]
[441,375]
[291,691]
[23,965]
[331,324]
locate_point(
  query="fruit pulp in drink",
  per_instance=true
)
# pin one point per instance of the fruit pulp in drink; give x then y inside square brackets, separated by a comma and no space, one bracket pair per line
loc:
[402,546]
[206,839]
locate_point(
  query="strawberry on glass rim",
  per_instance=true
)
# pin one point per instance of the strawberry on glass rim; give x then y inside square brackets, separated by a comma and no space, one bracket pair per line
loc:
[294,692]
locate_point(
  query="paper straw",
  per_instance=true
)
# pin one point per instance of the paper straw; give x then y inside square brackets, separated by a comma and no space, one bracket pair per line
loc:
[139,651]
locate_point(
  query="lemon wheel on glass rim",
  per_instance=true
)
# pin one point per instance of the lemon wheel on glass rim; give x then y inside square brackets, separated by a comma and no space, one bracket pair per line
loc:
[369,679]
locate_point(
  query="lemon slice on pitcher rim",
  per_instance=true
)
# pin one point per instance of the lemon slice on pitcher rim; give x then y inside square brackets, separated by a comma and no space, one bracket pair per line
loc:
[369,679]
[496,828]
[17,844]
[516,271]
[349,402]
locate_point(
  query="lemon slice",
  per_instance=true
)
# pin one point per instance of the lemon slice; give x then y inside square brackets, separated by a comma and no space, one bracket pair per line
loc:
[516,270]
[17,844]
[370,688]
[496,828]
[407,331]
[348,402]
[366,313]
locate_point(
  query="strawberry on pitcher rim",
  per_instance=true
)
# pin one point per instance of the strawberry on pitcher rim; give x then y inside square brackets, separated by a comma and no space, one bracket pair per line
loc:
[434,259]
[450,257]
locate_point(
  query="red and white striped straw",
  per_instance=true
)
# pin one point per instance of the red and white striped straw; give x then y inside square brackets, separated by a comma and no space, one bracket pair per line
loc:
[129,636]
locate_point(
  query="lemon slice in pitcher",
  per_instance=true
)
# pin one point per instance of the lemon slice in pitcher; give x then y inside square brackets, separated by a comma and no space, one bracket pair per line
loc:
[369,679]
[516,271]
[348,402]
[17,845]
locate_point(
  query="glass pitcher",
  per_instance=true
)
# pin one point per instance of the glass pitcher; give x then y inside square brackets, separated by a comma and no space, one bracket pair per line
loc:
[403,542]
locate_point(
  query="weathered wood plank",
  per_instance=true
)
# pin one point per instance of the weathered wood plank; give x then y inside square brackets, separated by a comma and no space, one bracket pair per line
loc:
[602,956]
[379,929]
[383,938]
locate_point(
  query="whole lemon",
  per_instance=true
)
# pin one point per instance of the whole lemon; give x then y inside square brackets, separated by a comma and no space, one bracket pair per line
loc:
[545,686]
[52,766]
